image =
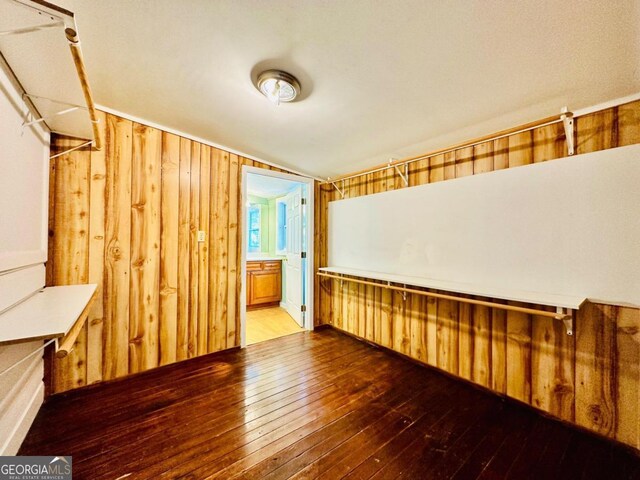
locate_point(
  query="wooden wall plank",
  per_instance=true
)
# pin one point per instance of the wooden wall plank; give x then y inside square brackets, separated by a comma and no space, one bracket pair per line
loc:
[498,350]
[220,209]
[628,368]
[401,324]
[145,248]
[432,331]
[184,245]
[549,142]
[597,131]
[436,168]
[552,368]
[519,356]
[234,253]
[118,151]
[595,376]
[169,248]
[203,251]
[95,320]
[71,247]
[447,336]
[481,326]
[464,162]
[194,224]
[418,315]
[501,153]
[483,158]
[628,123]
[465,341]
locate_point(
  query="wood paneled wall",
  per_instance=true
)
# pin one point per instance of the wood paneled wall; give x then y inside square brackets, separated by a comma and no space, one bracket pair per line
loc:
[126,218]
[591,379]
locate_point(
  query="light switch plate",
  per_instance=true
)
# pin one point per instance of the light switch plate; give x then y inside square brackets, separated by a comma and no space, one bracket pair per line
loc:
[201,236]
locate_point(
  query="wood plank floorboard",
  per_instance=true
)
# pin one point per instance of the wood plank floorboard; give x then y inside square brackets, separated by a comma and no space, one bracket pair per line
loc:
[311,405]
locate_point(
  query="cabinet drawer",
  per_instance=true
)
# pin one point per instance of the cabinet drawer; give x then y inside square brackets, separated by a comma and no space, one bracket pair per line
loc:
[254,265]
[271,265]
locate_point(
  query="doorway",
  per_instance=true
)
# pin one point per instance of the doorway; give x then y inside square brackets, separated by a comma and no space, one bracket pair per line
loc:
[277,253]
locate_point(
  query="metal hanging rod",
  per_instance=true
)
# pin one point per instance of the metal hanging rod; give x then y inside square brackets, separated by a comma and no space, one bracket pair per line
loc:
[559,314]
[562,118]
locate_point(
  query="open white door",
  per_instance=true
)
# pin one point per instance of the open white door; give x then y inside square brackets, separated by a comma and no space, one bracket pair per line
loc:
[294,264]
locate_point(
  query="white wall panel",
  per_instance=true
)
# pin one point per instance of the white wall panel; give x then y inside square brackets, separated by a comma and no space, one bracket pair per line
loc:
[569,227]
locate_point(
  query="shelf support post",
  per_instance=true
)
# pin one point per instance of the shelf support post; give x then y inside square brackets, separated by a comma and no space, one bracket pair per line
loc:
[567,120]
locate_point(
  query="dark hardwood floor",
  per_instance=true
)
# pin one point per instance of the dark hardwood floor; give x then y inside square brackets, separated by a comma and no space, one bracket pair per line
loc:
[311,405]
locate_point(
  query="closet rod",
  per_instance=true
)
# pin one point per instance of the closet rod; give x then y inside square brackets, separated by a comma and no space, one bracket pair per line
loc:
[471,143]
[66,343]
[473,301]
[74,45]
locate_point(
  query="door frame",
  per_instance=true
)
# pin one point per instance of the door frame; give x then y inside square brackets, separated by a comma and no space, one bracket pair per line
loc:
[309,290]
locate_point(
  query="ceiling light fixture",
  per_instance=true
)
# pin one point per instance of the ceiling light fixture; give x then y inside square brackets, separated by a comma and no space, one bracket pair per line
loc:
[278,86]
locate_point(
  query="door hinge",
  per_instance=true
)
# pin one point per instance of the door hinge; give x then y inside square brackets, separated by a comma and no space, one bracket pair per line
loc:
[303,254]
[303,308]
[303,201]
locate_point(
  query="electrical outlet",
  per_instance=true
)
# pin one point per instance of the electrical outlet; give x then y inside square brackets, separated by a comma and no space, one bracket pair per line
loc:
[201,236]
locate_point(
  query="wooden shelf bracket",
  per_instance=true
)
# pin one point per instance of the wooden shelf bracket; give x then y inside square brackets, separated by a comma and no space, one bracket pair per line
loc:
[567,120]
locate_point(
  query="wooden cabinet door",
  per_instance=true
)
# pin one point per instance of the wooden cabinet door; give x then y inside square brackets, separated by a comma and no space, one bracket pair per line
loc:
[264,286]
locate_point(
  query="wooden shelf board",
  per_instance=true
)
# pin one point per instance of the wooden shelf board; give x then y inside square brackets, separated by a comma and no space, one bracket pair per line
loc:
[50,313]
[536,298]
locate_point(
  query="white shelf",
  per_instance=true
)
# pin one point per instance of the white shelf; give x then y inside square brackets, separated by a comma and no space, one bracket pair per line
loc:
[535,298]
[49,313]
[43,64]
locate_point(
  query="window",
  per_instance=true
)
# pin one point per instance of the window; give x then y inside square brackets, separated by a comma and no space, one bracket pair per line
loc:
[281,226]
[254,228]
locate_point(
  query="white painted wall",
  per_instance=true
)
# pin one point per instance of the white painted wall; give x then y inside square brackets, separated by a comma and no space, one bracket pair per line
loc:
[24,155]
[567,227]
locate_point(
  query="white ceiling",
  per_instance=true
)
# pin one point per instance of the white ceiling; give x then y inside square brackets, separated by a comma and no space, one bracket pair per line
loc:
[381,78]
[268,187]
